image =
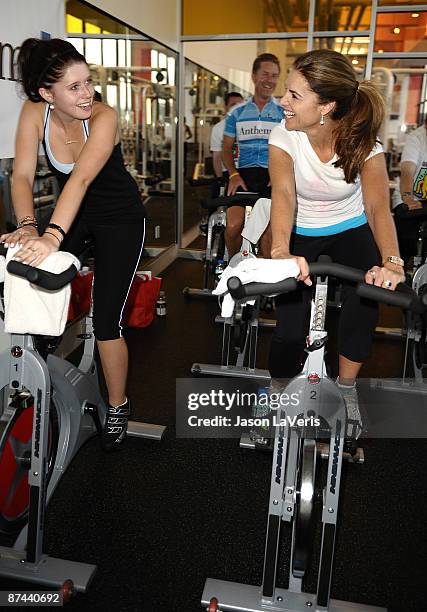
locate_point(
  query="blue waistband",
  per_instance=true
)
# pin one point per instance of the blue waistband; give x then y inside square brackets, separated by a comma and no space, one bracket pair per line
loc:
[329,230]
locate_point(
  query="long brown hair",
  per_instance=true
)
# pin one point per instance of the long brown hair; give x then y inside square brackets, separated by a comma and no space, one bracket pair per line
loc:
[359,107]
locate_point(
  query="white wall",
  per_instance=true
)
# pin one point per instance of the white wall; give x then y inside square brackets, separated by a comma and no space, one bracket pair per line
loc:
[230,60]
[19,20]
[156,18]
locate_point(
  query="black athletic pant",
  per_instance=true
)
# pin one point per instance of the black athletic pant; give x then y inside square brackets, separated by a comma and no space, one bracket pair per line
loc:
[407,230]
[354,247]
[257,180]
[117,250]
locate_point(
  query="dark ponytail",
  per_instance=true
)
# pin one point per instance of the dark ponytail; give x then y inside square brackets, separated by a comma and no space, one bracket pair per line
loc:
[41,63]
[359,108]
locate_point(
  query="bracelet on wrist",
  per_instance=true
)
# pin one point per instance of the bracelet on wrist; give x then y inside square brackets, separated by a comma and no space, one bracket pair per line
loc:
[234,174]
[58,228]
[27,218]
[55,236]
[29,224]
[394,259]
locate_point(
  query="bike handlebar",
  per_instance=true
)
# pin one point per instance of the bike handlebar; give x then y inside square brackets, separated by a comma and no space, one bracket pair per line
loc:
[404,297]
[46,280]
[42,278]
[238,199]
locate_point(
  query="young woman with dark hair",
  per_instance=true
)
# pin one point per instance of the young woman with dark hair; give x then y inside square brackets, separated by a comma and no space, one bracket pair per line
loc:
[99,200]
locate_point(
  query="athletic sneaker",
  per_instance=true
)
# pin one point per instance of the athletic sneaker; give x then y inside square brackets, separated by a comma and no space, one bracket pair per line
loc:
[115,427]
[354,419]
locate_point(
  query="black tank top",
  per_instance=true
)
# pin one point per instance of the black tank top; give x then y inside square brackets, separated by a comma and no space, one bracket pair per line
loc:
[112,197]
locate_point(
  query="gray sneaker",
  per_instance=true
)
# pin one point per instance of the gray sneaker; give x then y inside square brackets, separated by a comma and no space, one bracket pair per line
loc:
[354,419]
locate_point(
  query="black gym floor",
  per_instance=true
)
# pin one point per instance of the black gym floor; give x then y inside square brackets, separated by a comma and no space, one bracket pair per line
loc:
[159,518]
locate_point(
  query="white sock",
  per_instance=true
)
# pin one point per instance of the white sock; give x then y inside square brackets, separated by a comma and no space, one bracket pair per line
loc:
[342,386]
[120,405]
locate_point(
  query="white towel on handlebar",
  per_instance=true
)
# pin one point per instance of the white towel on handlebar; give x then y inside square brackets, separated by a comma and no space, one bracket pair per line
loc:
[32,310]
[258,220]
[254,270]
[2,269]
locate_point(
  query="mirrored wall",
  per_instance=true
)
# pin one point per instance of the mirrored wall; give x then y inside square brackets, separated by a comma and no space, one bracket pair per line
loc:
[137,77]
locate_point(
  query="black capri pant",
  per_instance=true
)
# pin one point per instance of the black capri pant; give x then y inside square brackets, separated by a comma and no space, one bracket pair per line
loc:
[117,250]
[358,319]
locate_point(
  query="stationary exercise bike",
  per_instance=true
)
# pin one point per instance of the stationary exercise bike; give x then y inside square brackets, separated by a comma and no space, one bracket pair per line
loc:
[49,409]
[240,331]
[298,483]
[216,251]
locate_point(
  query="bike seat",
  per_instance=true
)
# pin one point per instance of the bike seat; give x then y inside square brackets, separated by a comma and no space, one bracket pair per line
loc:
[239,199]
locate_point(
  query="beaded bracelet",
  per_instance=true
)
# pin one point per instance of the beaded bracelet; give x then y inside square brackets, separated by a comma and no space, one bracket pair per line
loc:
[27,221]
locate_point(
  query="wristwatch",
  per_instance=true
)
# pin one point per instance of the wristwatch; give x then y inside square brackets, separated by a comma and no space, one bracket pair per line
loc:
[393,259]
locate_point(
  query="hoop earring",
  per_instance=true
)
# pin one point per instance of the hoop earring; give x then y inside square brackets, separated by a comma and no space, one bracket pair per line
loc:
[322,121]
[51,105]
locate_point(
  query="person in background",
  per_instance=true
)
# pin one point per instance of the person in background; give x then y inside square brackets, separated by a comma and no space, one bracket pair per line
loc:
[413,168]
[249,125]
[217,136]
[220,172]
[412,189]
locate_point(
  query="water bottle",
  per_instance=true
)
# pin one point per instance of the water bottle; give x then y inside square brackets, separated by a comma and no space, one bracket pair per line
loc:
[219,268]
[161,305]
[261,410]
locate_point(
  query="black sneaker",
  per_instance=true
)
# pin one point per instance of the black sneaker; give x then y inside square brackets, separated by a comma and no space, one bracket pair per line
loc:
[115,427]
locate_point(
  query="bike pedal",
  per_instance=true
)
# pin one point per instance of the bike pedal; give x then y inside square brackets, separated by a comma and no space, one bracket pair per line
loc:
[357,457]
[350,446]
[351,452]
[265,446]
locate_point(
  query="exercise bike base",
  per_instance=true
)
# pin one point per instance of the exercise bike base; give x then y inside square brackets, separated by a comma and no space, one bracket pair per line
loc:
[248,443]
[50,571]
[235,597]
[399,385]
[233,371]
[145,430]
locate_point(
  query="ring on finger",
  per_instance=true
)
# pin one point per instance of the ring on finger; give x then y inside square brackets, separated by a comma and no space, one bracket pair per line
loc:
[372,272]
[387,284]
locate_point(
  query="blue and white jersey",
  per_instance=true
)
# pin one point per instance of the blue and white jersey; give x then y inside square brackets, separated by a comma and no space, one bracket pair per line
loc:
[251,128]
